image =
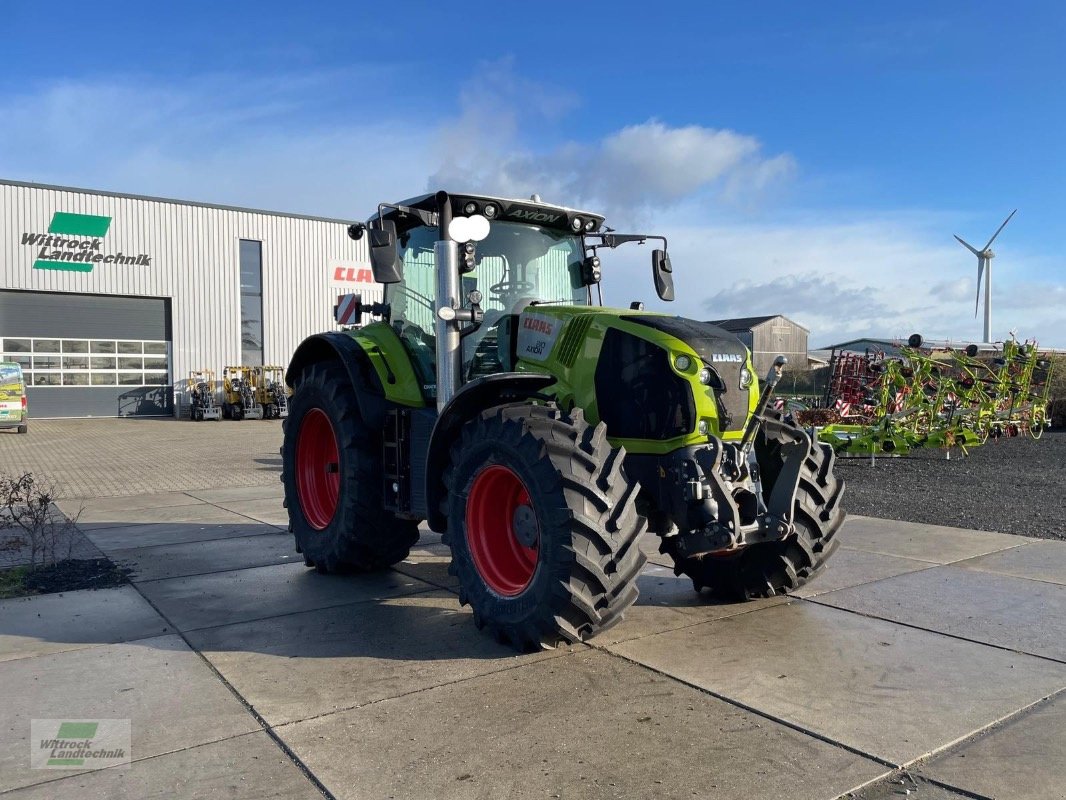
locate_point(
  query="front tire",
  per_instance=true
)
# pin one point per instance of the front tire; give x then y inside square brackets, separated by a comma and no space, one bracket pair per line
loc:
[332,472]
[773,568]
[542,525]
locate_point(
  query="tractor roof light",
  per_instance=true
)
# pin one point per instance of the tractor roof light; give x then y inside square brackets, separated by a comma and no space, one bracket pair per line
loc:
[577,224]
[590,226]
[490,210]
[470,208]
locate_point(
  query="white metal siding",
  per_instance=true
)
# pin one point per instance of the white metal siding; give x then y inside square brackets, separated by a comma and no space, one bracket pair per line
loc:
[194,252]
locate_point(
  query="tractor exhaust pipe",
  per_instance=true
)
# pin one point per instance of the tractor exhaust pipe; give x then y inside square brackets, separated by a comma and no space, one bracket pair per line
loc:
[449,343]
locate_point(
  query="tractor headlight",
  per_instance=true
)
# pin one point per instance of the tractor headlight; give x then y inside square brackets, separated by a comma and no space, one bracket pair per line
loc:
[745,378]
[682,362]
[705,376]
[704,427]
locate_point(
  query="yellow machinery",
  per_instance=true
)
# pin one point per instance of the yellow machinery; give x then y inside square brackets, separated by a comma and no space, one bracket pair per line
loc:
[240,393]
[202,402]
[273,394]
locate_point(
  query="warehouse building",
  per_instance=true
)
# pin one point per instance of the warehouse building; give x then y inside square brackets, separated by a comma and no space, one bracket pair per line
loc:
[109,301]
[768,337]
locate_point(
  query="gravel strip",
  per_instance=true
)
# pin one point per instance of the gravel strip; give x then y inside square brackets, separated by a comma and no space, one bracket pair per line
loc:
[1015,485]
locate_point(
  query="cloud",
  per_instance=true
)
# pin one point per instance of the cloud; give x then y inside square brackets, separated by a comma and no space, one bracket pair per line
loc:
[282,142]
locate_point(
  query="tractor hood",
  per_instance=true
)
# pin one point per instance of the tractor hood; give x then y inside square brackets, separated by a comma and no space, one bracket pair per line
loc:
[719,348]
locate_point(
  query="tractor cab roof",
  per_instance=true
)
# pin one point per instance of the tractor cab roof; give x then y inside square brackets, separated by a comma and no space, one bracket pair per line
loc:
[424,208]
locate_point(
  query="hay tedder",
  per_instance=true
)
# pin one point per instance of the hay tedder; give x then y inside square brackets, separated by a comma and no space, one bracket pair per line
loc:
[541,433]
[936,397]
[202,402]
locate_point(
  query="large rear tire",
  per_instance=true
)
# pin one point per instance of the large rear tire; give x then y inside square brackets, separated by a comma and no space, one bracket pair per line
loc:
[773,568]
[542,525]
[332,471]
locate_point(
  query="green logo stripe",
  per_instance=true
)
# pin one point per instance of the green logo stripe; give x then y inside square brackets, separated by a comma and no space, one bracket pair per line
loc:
[65,762]
[79,224]
[77,730]
[68,266]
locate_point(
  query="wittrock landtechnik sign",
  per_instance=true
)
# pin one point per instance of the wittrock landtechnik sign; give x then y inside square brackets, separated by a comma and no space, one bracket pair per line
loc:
[74,243]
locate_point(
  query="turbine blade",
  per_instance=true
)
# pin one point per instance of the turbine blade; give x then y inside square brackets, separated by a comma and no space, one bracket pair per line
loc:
[980,272]
[967,245]
[1001,227]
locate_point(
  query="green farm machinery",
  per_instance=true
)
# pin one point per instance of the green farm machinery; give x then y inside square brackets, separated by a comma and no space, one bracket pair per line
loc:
[492,395]
[941,397]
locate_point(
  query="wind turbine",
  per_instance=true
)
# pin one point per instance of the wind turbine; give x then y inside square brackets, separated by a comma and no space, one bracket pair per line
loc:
[984,267]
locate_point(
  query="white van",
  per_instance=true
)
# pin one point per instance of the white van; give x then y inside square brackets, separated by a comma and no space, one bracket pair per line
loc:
[13,410]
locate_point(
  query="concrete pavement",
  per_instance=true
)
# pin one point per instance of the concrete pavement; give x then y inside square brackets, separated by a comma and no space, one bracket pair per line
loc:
[935,649]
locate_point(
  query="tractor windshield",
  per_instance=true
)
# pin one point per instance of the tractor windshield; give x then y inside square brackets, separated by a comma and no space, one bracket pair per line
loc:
[517,264]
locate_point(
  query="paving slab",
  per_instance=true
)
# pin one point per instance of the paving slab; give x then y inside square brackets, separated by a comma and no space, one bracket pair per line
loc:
[1039,561]
[94,505]
[173,533]
[1024,759]
[216,555]
[95,519]
[583,726]
[1023,615]
[267,510]
[668,602]
[53,623]
[935,543]
[247,767]
[849,568]
[913,787]
[304,665]
[893,692]
[171,697]
[239,493]
[242,595]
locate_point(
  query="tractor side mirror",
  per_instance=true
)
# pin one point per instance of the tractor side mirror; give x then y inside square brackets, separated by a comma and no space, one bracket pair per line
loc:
[664,274]
[384,260]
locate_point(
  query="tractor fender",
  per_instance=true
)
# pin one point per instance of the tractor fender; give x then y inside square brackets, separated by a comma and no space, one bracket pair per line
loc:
[477,396]
[338,346]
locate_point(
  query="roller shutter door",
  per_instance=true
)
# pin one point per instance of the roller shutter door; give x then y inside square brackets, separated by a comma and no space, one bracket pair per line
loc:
[89,355]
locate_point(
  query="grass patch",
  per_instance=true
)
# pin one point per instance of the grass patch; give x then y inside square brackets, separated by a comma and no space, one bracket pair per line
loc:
[63,576]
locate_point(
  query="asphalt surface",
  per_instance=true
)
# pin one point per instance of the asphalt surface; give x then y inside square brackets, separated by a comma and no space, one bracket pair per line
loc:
[1011,485]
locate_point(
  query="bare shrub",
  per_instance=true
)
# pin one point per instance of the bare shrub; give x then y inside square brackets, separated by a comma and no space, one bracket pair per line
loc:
[32,522]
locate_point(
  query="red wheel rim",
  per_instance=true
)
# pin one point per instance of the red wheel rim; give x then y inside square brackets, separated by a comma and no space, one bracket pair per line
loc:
[318,476]
[502,530]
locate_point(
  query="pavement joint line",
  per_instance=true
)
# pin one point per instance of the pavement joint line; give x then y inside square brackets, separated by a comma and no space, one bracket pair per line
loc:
[297,761]
[692,624]
[764,714]
[359,707]
[107,552]
[210,572]
[82,774]
[912,626]
[291,613]
[906,771]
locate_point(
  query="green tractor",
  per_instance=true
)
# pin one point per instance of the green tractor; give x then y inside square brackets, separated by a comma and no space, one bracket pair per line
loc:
[541,433]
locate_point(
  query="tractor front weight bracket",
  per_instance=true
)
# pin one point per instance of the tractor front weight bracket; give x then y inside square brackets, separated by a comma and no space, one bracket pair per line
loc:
[718,497]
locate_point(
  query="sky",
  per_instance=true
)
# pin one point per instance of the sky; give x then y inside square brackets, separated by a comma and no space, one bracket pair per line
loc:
[810,159]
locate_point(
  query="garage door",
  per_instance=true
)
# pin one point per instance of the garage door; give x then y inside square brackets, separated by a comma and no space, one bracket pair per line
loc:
[89,355]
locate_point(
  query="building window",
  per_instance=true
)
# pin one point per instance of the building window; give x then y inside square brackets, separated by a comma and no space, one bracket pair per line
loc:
[251,303]
[89,362]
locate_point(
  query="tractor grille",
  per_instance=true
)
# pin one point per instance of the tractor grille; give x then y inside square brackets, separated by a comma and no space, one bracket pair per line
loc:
[638,395]
[716,347]
[573,338]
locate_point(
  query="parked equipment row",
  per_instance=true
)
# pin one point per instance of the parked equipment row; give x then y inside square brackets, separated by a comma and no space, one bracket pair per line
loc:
[247,393]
